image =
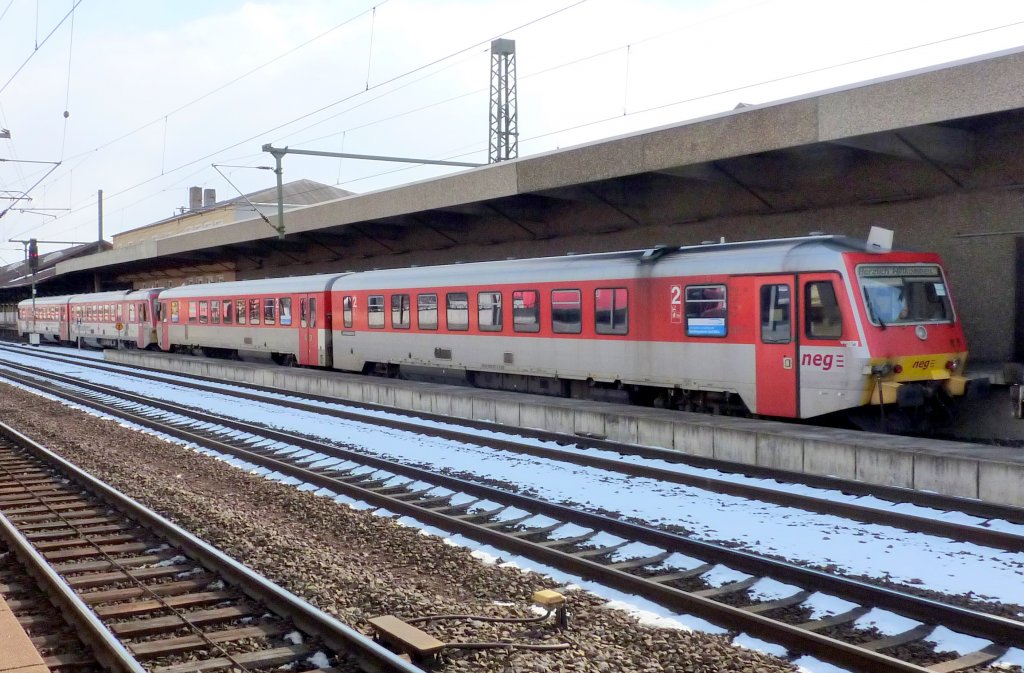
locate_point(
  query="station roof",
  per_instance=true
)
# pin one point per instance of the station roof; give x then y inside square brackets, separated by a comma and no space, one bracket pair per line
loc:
[19,274]
[921,133]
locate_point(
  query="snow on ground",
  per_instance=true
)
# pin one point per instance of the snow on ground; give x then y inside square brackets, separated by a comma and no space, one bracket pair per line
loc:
[848,547]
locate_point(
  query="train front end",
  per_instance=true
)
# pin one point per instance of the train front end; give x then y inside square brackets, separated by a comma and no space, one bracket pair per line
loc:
[915,342]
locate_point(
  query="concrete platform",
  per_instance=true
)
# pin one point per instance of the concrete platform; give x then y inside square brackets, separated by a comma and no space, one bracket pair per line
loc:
[988,473]
[17,653]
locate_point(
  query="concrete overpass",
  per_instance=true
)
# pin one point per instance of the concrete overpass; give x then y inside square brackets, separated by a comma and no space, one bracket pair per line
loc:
[933,154]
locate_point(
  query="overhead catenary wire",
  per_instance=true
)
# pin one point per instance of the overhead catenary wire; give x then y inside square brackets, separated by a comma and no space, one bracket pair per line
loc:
[39,45]
[67,92]
[278,127]
[592,122]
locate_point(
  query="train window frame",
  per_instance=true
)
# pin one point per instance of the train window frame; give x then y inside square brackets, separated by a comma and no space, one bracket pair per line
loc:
[303,309]
[821,310]
[284,311]
[312,311]
[228,309]
[449,299]
[423,305]
[269,311]
[175,312]
[610,327]
[702,313]
[143,312]
[401,307]
[254,311]
[375,311]
[131,312]
[528,319]
[869,275]
[204,312]
[193,312]
[347,304]
[215,311]
[559,304]
[766,314]
[241,313]
[494,300]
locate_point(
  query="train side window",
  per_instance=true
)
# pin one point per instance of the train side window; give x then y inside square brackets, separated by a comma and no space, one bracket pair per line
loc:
[457,309]
[775,314]
[526,311]
[254,311]
[120,312]
[175,314]
[400,318]
[204,313]
[303,322]
[284,306]
[269,317]
[611,310]
[131,312]
[566,312]
[312,311]
[346,312]
[426,311]
[375,311]
[228,311]
[193,312]
[706,310]
[822,318]
[215,311]
[143,313]
[488,310]
[240,311]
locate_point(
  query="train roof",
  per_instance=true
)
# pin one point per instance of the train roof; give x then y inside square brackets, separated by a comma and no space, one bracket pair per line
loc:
[93,297]
[46,301]
[318,283]
[787,255]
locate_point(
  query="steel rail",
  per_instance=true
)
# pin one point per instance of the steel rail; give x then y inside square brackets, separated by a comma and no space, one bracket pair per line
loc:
[105,646]
[991,537]
[997,629]
[334,633]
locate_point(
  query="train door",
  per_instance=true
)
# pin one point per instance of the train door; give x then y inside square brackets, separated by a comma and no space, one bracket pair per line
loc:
[163,326]
[140,323]
[776,346]
[65,322]
[309,351]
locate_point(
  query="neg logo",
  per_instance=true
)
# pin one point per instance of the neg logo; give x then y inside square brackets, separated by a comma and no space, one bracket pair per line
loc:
[823,362]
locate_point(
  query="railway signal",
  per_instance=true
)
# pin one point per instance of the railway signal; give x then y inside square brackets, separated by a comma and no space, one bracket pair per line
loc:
[33,255]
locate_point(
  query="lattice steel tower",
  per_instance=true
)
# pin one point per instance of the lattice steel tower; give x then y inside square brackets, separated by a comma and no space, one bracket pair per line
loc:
[504,142]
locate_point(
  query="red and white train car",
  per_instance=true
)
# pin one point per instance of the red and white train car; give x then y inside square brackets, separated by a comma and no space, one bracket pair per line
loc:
[287,318]
[791,328]
[46,316]
[101,319]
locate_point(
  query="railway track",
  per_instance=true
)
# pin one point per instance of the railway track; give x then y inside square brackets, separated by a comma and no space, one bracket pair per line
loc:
[671,573]
[52,635]
[598,453]
[146,596]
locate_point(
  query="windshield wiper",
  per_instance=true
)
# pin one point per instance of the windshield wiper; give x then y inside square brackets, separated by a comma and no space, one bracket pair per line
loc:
[871,308]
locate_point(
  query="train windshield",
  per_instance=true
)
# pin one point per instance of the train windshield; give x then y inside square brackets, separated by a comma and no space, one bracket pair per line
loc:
[899,294]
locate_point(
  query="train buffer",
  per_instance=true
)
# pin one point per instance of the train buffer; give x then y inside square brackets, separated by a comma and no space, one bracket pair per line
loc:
[406,638]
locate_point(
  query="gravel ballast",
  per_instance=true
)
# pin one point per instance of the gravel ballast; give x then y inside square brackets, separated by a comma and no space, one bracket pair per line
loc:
[355,565]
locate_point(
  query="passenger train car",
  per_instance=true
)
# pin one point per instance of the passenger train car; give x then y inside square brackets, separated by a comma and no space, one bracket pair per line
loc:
[286,318]
[789,328]
[101,320]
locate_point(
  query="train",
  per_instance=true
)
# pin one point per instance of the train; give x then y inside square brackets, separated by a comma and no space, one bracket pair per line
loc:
[793,328]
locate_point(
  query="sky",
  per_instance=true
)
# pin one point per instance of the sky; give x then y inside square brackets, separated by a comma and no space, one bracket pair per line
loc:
[144,99]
